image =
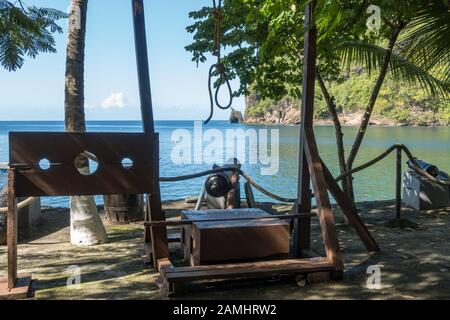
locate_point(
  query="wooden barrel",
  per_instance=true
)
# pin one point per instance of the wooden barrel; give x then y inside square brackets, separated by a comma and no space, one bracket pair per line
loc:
[123,209]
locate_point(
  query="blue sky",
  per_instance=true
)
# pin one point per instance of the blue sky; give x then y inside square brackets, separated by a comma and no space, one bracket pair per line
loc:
[179,88]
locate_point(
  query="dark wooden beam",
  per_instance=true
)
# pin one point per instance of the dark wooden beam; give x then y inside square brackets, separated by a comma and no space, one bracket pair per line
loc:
[12,230]
[325,213]
[157,236]
[159,240]
[350,211]
[303,226]
[140,40]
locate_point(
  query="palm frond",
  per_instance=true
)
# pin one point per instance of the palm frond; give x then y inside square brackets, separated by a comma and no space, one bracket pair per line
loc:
[426,39]
[371,57]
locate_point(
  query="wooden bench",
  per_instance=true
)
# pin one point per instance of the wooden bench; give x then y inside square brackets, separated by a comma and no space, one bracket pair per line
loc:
[174,279]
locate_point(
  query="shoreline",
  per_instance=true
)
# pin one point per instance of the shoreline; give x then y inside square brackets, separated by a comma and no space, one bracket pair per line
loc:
[292,116]
[330,124]
[376,122]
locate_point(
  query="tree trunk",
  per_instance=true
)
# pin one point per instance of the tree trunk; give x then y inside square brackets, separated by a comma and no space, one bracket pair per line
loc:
[337,128]
[373,98]
[86,227]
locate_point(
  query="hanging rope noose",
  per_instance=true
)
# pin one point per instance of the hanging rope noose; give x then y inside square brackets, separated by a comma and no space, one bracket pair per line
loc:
[219,67]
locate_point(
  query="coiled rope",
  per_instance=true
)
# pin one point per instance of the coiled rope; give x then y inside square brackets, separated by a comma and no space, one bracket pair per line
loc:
[219,67]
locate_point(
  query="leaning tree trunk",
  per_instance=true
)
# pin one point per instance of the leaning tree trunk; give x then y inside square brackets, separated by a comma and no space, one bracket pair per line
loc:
[86,227]
[337,128]
[373,98]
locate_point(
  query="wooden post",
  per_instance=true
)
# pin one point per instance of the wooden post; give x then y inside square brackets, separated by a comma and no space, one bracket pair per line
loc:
[157,236]
[350,212]
[398,185]
[320,188]
[12,230]
[13,286]
[303,225]
[140,41]
[234,196]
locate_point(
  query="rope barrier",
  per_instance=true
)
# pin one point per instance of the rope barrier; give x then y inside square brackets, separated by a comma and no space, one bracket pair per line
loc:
[408,153]
[20,205]
[218,68]
[258,187]
[231,168]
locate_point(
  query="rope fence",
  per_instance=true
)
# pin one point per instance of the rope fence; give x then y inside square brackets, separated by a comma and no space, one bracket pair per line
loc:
[274,196]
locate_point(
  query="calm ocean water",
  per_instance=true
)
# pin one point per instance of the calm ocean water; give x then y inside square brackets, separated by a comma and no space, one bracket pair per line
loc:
[376,183]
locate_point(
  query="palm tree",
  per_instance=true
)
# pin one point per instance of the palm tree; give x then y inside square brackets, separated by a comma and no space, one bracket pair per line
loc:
[26,31]
[86,227]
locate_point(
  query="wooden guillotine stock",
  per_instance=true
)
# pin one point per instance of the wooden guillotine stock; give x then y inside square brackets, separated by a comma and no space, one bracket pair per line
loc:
[26,178]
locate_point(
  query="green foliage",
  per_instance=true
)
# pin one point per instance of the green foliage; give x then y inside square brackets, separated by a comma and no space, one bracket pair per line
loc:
[427,39]
[26,31]
[407,104]
[263,43]
[261,107]
[264,40]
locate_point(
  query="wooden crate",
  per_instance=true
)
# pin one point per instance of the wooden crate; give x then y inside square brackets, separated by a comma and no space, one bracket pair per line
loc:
[243,240]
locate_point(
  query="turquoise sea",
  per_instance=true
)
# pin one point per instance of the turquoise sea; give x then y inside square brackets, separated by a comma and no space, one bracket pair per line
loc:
[377,183]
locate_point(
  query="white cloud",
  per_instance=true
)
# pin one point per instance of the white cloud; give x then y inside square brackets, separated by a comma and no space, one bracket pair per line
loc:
[114,100]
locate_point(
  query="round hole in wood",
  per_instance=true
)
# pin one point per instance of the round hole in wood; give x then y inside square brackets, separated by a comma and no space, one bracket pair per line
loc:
[44,164]
[86,163]
[127,163]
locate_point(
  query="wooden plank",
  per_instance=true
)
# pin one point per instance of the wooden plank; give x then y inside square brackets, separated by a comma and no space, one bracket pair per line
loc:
[255,264]
[249,196]
[159,241]
[230,218]
[325,212]
[242,271]
[238,221]
[140,42]
[27,149]
[350,211]
[302,229]
[12,229]
[148,255]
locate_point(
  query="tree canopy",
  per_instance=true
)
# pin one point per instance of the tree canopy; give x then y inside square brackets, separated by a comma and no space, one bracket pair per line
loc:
[26,31]
[264,42]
